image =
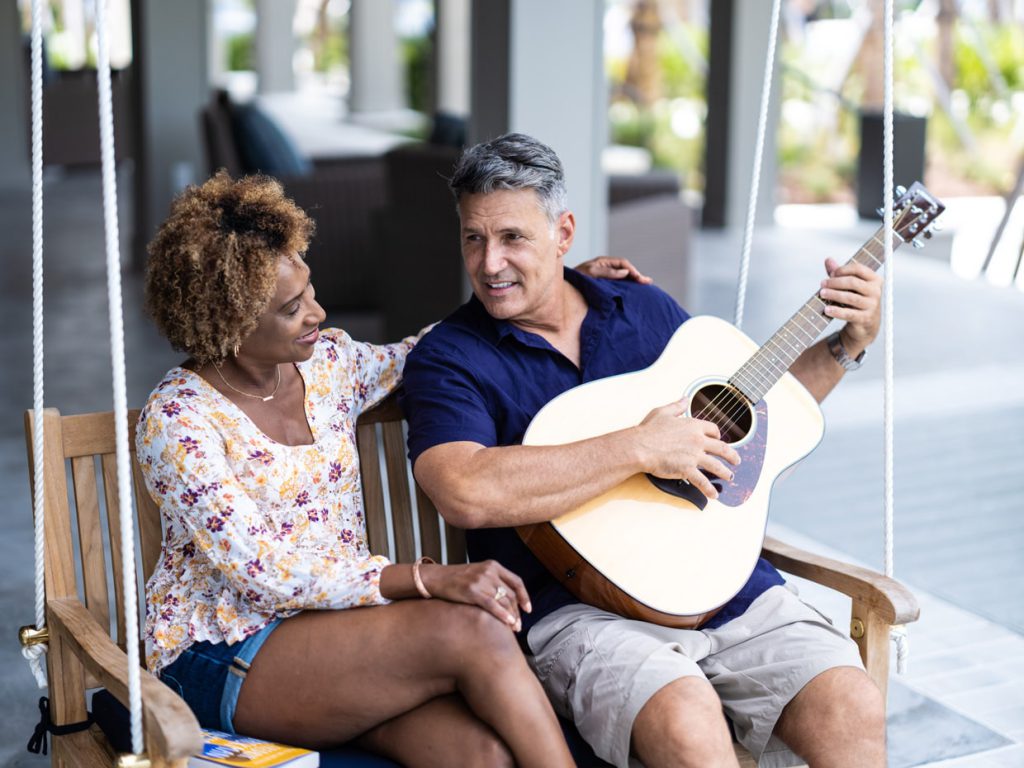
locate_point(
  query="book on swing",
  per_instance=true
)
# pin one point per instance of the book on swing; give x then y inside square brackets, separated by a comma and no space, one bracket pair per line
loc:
[221,748]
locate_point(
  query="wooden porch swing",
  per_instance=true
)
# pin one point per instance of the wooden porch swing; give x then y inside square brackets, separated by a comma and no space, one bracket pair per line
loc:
[85,654]
[87,650]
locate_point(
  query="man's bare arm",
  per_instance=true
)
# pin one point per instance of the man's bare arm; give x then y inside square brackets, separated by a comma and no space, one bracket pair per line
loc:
[478,487]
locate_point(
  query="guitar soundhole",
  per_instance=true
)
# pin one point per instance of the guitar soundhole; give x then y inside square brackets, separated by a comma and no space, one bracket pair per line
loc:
[725,406]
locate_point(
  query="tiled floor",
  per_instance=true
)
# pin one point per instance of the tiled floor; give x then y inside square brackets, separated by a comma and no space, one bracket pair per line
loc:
[959,404]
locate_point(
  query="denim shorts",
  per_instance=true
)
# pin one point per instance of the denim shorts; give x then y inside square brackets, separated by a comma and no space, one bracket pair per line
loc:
[208,676]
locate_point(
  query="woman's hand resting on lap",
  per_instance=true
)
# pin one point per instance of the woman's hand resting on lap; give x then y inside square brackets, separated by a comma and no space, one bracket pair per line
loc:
[488,585]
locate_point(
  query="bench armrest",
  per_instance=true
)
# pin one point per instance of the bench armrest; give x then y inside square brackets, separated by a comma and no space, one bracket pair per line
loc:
[894,603]
[171,729]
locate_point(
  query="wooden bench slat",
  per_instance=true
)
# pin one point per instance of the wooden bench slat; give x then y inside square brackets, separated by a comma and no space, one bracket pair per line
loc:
[90,538]
[430,525]
[111,496]
[386,410]
[398,491]
[455,540]
[92,434]
[373,489]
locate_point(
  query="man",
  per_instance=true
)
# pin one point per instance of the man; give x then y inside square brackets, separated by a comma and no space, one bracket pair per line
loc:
[533,330]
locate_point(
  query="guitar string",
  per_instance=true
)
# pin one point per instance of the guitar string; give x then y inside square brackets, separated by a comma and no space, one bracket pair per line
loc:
[731,406]
[728,405]
[724,409]
[726,402]
[739,405]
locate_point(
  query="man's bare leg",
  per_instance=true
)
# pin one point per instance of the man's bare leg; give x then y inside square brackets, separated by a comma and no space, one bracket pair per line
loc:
[836,721]
[682,726]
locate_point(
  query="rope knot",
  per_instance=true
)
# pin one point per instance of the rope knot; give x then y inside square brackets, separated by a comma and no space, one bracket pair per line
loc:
[899,636]
[34,654]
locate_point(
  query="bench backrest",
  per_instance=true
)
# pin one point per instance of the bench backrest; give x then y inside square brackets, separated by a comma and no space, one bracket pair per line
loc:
[81,504]
[82,511]
[380,433]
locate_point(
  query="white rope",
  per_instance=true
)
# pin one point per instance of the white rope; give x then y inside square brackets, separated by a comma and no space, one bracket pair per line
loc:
[35,653]
[755,181]
[112,233]
[898,634]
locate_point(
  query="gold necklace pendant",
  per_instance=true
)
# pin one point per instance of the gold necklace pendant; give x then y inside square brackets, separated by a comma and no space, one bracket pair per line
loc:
[264,398]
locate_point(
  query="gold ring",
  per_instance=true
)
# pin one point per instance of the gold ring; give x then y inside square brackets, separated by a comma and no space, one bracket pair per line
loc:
[500,592]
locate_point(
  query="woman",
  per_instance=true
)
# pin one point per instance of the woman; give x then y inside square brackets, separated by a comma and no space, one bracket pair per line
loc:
[248,448]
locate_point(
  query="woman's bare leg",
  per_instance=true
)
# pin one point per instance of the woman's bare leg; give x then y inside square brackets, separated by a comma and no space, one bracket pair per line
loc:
[325,677]
[439,734]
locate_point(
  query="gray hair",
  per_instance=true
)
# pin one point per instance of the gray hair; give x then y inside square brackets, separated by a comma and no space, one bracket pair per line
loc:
[512,161]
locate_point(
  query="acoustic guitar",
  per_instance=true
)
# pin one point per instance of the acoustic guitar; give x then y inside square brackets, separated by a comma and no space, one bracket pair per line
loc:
[657,549]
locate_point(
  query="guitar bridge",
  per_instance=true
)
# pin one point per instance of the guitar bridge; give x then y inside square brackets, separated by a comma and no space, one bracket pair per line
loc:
[683,489]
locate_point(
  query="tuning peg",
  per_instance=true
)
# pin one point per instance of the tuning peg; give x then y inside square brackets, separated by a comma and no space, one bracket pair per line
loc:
[937,225]
[915,211]
[917,242]
[927,234]
[880,211]
[913,228]
[900,191]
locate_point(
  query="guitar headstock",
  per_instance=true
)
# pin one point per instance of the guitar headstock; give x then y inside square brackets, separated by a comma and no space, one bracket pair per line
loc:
[914,213]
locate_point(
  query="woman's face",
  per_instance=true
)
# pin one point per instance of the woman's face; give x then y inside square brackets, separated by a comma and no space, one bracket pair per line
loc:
[289,327]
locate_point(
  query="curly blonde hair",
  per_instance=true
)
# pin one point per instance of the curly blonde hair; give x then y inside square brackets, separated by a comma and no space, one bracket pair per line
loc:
[213,264]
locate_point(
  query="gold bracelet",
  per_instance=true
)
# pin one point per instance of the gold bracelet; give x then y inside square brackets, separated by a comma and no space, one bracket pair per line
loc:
[416,577]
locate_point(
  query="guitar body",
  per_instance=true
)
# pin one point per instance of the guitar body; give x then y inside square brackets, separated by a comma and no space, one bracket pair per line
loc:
[648,553]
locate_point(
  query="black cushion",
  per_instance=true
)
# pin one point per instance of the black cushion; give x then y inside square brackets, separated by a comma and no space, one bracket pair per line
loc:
[264,147]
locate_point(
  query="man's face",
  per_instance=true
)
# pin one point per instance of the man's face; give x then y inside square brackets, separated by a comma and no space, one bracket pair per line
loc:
[513,254]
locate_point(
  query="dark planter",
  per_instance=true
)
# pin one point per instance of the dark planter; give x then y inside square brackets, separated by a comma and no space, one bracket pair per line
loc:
[908,158]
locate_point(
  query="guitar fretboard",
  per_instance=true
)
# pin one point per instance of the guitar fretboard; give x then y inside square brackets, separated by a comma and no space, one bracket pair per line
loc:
[766,366]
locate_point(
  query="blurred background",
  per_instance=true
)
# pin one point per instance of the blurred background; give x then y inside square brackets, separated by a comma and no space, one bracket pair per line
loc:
[360,108]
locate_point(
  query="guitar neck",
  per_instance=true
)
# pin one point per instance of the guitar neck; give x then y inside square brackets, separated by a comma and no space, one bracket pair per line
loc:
[766,366]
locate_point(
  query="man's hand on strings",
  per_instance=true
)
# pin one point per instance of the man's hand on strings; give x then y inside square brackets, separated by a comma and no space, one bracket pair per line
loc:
[855,295]
[674,445]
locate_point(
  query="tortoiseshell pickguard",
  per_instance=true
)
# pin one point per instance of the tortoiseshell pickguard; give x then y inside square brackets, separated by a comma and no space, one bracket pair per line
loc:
[747,474]
[751,462]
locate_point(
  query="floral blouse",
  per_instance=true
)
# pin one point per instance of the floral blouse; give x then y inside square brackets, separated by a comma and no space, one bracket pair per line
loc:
[254,529]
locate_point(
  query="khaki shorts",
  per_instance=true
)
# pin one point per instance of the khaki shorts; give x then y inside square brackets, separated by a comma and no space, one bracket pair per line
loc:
[599,669]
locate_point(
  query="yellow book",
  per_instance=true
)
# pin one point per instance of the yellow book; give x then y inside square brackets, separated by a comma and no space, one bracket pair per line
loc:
[244,752]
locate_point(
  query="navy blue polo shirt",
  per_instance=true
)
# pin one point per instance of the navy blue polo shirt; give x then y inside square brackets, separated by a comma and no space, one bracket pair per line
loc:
[478,379]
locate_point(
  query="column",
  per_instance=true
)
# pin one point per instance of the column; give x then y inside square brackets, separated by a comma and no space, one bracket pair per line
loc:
[374,58]
[170,89]
[275,45]
[537,68]
[739,46]
[452,56]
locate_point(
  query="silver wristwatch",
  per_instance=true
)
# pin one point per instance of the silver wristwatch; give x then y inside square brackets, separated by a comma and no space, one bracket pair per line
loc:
[835,346]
